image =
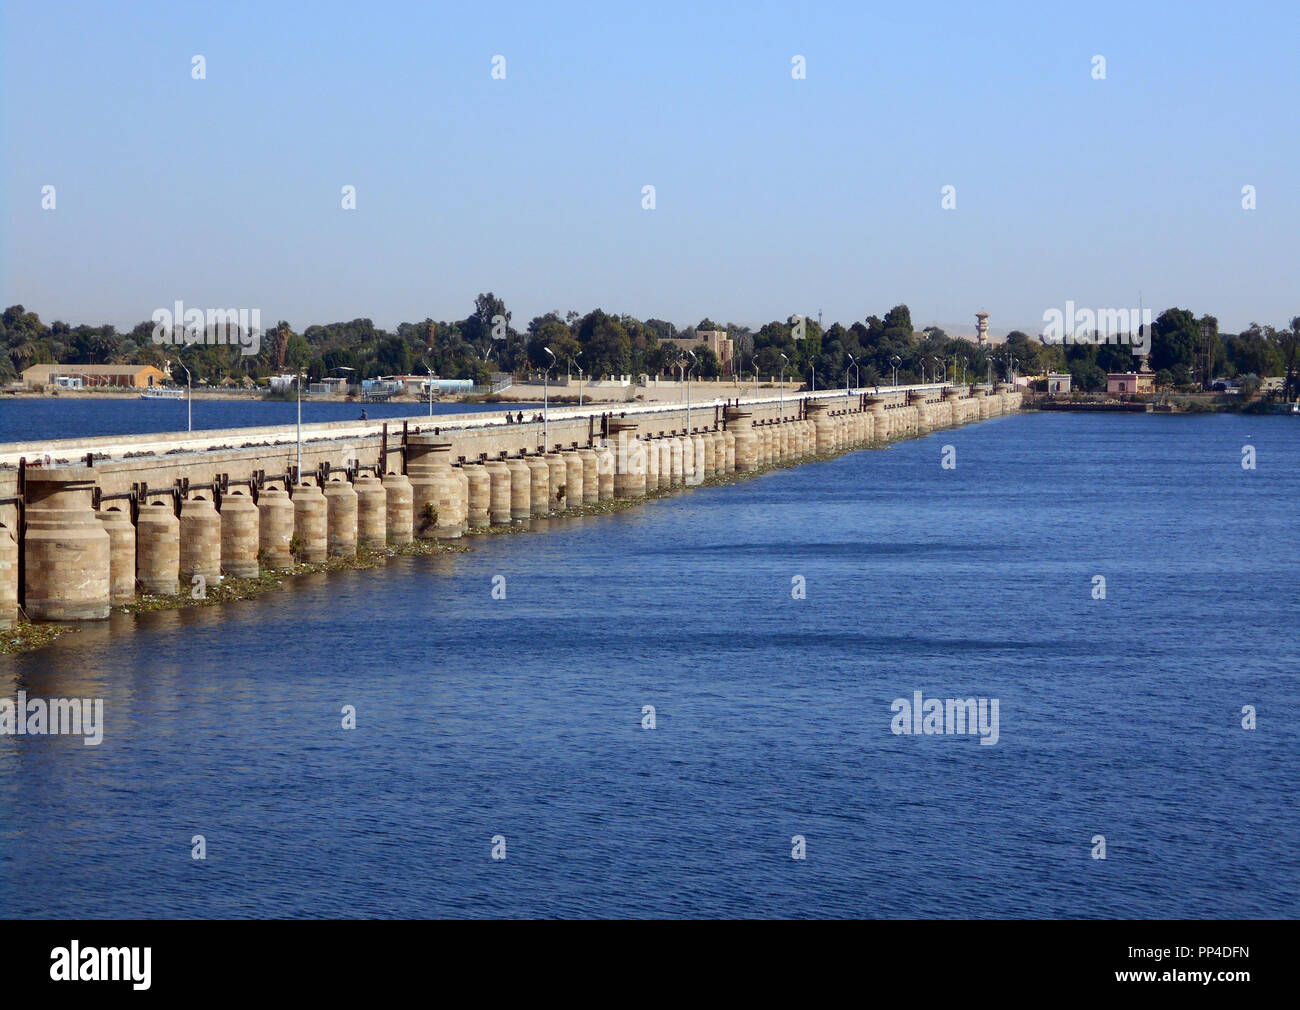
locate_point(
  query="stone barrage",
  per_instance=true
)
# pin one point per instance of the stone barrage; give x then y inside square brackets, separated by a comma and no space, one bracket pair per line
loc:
[82,552]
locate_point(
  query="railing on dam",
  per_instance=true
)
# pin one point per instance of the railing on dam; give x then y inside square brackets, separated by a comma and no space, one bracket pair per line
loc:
[120,516]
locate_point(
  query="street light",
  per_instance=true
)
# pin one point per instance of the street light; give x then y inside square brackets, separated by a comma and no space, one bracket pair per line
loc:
[781,399]
[857,374]
[895,361]
[694,362]
[189,398]
[298,385]
[754,361]
[572,365]
[429,381]
[546,402]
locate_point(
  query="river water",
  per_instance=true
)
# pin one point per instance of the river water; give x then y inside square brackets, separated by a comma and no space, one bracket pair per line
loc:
[479,717]
[24,420]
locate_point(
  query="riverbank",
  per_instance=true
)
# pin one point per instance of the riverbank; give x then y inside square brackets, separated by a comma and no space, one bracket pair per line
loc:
[1212,403]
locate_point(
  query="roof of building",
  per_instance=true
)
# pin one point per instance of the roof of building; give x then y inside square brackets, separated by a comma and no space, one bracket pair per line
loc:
[90,369]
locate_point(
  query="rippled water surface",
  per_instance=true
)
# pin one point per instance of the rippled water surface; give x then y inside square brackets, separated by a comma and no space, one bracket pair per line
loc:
[522,717]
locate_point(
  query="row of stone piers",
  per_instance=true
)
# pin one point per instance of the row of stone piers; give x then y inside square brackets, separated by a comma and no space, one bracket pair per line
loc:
[73,562]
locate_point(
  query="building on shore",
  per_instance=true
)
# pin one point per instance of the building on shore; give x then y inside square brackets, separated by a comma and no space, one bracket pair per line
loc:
[1058,382]
[86,376]
[1128,383]
[716,341]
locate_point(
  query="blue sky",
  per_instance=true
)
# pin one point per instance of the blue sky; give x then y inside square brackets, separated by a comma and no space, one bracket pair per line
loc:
[774,195]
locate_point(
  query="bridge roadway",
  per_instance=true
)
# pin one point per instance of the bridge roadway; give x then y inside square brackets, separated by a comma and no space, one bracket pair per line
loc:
[116,447]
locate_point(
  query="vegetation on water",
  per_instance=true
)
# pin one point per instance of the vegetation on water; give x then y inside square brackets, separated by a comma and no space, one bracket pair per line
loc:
[25,636]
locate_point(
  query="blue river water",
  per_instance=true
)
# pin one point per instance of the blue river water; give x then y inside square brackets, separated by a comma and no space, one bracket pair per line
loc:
[24,420]
[522,717]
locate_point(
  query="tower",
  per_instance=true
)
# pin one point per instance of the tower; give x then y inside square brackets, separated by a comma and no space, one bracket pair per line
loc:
[982,328]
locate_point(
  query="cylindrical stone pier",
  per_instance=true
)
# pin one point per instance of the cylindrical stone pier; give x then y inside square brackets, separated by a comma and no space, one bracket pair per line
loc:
[629,460]
[66,548]
[652,454]
[9,577]
[590,476]
[341,518]
[539,481]
[121,553]
[436,490]
[372,512]
[479,516]
[200,540]
[823,428]
[240,534]
[310,523]
[275,528]
[521,488]
[558,478]
[573,489]
[499,492]
[740,426]
[158,548]
[399,506]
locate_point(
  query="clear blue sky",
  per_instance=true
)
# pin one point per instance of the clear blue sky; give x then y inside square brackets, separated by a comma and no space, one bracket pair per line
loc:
[774,195]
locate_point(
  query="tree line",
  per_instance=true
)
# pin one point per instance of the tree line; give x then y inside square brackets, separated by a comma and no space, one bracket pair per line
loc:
[601,344]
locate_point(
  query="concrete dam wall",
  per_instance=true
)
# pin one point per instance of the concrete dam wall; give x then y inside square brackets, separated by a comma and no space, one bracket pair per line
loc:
[87,524]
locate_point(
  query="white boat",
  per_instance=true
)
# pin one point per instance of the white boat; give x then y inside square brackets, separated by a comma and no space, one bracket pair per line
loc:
[162,393]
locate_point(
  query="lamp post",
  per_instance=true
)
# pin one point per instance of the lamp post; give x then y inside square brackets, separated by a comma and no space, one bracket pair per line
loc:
[895,361]
[754,361]
[694,362]
[781,398]
[546,402]
[569,375]
[189,399]
[297,474]
[429,380]
[857,374]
